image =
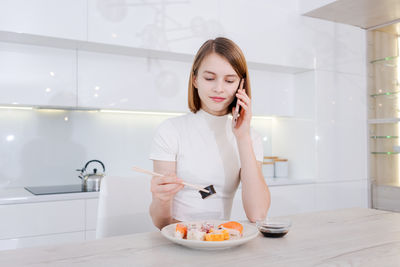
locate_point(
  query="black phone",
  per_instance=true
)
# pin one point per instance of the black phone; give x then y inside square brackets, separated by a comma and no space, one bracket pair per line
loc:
[235,104]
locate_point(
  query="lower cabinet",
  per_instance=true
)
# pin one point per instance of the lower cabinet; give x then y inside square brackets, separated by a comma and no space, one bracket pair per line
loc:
[44,240]
[47,223]
[56,222]
[285,200]
[301,198]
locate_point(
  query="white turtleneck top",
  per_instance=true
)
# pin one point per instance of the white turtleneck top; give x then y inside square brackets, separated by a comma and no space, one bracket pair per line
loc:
[205,150]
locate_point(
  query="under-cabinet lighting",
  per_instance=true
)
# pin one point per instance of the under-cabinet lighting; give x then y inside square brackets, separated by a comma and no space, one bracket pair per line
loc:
[15,107]
[142,112]
[263,117]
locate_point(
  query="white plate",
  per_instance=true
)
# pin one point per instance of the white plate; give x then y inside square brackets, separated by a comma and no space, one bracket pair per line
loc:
[249,232]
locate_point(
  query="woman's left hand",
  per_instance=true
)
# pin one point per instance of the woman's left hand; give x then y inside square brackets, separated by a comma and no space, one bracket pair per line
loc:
[242,127]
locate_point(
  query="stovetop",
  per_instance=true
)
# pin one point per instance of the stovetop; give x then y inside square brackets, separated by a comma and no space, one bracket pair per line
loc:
[57,189]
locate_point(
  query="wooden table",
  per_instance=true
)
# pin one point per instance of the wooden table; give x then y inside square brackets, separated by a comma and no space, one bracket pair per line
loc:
[349,237]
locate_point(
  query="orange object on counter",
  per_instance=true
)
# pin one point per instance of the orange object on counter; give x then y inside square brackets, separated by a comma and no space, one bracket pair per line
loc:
[232,225]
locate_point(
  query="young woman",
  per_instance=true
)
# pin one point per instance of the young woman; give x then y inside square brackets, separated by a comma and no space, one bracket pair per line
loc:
[204,147]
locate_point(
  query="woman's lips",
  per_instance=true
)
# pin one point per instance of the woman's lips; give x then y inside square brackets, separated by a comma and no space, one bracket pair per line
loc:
[217,99]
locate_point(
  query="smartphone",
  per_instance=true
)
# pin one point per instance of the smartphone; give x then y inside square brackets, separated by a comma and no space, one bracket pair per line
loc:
[237,106]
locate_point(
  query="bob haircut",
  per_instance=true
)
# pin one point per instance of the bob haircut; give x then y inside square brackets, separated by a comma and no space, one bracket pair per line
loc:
[231,52]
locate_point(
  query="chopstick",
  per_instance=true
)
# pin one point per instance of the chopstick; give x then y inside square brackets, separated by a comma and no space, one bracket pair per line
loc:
[137,169]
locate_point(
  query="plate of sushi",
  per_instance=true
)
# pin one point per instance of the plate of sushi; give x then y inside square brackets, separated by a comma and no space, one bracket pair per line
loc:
[210,234]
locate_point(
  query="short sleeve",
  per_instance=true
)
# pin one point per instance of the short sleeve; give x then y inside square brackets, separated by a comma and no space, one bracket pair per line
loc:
[257,145]
[165,142]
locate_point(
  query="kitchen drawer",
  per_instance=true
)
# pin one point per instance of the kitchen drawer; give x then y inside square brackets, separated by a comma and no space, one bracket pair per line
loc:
[45,240]
[44,218]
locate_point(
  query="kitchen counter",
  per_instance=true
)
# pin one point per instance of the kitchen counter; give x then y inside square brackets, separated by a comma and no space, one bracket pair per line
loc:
[19,195]
[349,237]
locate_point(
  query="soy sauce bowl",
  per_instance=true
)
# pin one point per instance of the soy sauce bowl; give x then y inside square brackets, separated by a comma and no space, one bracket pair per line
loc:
[274,228]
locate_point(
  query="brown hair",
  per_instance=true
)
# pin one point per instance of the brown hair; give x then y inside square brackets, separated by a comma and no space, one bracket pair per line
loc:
[230,51]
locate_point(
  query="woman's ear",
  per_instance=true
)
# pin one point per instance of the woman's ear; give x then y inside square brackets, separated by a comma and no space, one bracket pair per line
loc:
[195,81]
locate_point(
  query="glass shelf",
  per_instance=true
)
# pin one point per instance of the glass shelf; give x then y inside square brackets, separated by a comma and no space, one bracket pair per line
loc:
[385,60]
[385,94]
[384,137]
[383,120]
[385,153]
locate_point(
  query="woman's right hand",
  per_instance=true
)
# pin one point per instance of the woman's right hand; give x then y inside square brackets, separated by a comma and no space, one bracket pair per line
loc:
[164,188]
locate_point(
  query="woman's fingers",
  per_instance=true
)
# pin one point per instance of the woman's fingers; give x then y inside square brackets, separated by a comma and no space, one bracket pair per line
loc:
[243,105]
[243,96]
[166,180]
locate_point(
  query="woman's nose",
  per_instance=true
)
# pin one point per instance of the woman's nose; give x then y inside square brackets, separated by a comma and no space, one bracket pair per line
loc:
[219,87]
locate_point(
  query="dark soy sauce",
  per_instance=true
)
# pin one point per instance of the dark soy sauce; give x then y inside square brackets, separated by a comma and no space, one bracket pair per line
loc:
[266,233]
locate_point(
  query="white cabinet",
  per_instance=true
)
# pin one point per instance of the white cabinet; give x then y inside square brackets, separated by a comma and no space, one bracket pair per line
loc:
[44,240]
[285,200]
[45,218]
[34,75]
[91,214]
[272,93]
[132,83]
[347,194]
[253,26]
[170,26]
[61,18]
[47,223]
[301,198]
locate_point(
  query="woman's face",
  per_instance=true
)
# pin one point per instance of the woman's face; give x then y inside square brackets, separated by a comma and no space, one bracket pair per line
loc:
[216,83]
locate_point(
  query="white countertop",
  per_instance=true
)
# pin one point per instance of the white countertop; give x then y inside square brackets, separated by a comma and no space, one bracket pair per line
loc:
[349,237]
[19,195]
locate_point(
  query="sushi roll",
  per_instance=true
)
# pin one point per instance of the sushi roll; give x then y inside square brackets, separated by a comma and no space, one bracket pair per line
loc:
[234,229]
[215,236]
[206,227]
[180,231]
[195,234]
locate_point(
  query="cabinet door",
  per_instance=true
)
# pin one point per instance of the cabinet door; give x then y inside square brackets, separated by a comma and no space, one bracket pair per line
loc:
[292,199]
[272,93]
[61,18]
[132,83]
[33,75]
[285,200]
[91,214]
[45,240]
[348,194]
[44,218]
[252,25]
[169,26]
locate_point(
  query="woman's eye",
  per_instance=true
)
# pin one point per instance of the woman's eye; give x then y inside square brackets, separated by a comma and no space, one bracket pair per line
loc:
[230,81]
[209,79]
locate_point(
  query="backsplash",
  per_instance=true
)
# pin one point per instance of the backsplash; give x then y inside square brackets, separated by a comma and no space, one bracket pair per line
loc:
[45,147]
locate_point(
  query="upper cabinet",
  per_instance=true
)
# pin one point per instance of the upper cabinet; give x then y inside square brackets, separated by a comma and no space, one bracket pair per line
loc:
[61,18]
[175,26]
[35,75]
[269,32]
[133,83]
[137,55]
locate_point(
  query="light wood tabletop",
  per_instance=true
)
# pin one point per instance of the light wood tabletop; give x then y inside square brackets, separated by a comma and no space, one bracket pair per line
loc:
[348,237]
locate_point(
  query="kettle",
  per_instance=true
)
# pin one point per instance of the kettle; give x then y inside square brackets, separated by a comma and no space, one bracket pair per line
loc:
[91,181]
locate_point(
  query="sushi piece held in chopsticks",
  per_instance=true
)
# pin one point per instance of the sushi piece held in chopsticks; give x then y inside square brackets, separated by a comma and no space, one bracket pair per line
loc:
[204,192]
[211,191]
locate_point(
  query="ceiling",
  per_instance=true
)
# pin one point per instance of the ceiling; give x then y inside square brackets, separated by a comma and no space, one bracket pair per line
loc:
[366,14]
